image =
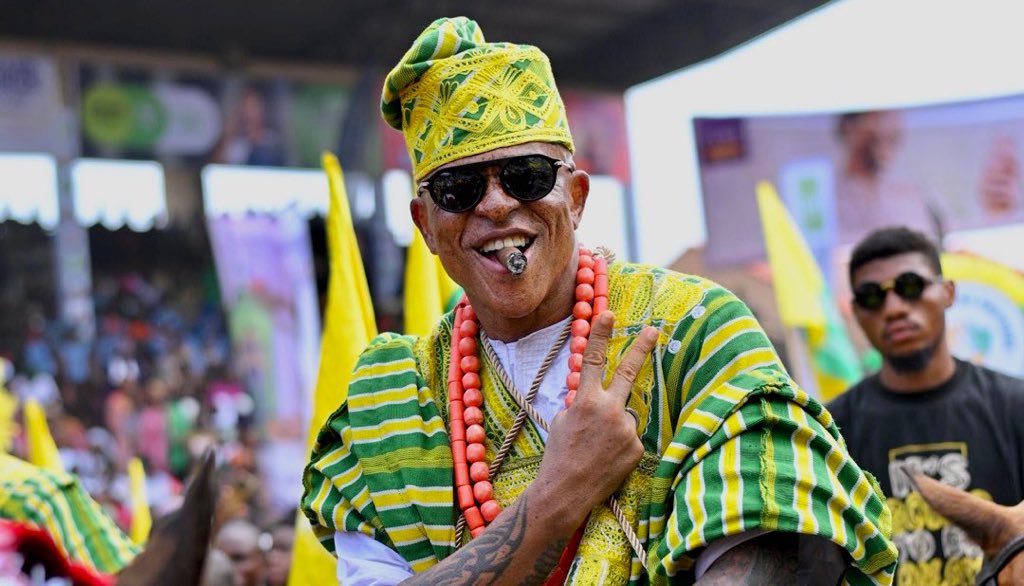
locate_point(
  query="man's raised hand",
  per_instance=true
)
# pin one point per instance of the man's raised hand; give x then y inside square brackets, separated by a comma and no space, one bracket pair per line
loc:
[593,445]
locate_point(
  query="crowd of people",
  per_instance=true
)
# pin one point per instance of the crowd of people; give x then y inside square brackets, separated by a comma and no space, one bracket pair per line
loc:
[155,380]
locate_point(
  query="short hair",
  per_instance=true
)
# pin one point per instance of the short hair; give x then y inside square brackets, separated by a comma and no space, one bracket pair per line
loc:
[844,120]
[891,241]
[240,530]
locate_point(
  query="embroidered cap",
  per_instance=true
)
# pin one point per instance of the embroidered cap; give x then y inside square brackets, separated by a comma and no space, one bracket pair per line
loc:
[454,95]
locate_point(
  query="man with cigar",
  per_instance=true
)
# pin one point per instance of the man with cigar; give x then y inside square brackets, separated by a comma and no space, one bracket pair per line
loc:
[575,419]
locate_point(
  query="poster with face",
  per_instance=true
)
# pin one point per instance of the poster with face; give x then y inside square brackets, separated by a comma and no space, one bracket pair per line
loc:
[934,168]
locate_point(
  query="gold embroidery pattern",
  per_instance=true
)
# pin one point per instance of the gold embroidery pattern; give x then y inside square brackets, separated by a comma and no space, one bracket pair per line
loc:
[455,95]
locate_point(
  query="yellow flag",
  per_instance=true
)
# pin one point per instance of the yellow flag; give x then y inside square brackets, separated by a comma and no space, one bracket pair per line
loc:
[804,301]
[8,406]
[795,274]
[42,450]
[428,288]
[349,325]
[142,521]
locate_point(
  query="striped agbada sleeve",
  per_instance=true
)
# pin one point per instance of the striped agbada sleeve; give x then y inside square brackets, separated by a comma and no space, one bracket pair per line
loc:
[336,496]
[751,450]
[59,505]
[381,466]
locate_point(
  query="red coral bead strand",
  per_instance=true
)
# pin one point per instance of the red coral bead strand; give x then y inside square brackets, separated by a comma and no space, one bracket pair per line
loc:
[473,488]
[591,300]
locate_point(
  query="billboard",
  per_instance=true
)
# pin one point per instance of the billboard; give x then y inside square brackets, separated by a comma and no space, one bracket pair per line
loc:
[31,111]
[934,168]
[199,118]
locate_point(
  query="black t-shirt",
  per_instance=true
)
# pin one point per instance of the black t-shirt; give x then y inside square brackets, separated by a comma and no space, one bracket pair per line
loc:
[968,432]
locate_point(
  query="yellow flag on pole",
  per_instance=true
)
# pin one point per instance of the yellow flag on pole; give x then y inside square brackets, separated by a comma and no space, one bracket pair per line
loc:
[804,301]
[142,520]
[428,288]
[42,450]
[8,407]
[349,325]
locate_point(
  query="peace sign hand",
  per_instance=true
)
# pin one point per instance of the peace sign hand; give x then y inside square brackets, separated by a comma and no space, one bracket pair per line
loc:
[593,445]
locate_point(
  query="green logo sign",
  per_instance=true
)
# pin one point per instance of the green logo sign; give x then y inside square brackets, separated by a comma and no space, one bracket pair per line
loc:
[123,115]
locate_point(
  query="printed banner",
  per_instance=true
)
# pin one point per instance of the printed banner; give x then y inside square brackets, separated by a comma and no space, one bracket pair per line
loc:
[986,323]
[31,112]
[266,275]
[942,167]
[127,113]
[198,119]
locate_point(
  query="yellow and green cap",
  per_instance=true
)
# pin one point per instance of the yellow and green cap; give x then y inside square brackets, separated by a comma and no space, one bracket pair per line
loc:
[454,95]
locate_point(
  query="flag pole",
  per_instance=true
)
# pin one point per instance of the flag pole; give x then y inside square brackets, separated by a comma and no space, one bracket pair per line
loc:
[797,352]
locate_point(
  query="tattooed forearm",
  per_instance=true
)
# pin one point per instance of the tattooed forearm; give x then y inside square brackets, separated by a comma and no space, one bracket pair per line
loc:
[487,557]
[544,564]
[770,559]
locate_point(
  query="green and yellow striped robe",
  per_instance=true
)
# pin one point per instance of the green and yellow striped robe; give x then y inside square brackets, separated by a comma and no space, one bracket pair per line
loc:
[731,443]
[56,503]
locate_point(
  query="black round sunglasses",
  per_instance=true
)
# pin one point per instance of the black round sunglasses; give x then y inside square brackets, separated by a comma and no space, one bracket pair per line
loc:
[909,286]
[526,178]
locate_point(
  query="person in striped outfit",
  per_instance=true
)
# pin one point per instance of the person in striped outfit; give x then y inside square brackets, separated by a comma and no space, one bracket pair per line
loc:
[686,453]
[56,503]
[49,519]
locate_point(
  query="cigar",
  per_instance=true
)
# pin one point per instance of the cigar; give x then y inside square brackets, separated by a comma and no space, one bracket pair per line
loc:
[513,259]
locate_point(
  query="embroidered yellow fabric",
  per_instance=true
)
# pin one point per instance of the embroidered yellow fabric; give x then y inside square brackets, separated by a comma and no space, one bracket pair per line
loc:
[604,553]
[454,95]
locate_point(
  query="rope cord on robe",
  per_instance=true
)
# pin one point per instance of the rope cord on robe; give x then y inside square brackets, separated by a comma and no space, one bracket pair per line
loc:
[524,403]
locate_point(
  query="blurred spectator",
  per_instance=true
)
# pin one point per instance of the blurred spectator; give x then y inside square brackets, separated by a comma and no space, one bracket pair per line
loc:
[119,416]
[230,403]
[182,416]
[279,554]
[218,570]
[74,356]
[152,429]
[82,401]
[38,356]
[240,541]
[249,138]
[40,387]
[123,368]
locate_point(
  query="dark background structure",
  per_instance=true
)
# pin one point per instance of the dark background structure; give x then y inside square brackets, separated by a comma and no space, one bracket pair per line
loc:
[599,44]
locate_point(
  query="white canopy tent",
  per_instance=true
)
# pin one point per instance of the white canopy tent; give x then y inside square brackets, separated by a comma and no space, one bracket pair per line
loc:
[119,193]
[29,189]
[853,54]
[112,193]
[235,190]
[242,189]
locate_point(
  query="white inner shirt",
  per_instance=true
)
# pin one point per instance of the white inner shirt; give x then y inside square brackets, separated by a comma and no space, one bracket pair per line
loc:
[363,561]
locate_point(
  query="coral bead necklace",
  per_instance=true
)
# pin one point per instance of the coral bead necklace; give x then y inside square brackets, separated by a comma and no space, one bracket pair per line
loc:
[473,489]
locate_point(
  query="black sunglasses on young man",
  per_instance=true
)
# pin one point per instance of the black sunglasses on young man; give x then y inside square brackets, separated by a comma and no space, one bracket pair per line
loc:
[909,286]
[526,178]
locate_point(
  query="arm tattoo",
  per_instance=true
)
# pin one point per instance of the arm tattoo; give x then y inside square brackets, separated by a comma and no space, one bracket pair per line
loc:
[769,559]
[545,563]
[488,556]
